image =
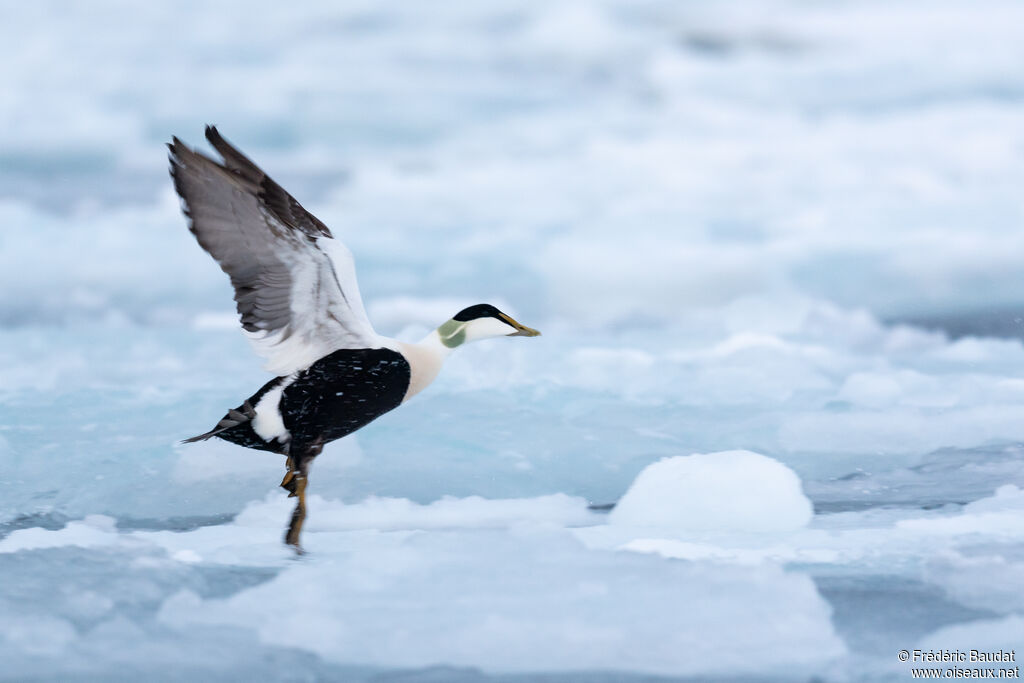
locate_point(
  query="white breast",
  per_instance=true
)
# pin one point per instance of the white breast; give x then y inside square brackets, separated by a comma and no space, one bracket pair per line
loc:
[425,360]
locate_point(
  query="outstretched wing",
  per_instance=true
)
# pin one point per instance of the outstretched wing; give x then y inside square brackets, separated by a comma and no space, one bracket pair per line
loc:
[294,284]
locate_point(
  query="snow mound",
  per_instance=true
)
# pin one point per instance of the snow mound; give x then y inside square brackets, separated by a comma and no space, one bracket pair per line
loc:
[726,491]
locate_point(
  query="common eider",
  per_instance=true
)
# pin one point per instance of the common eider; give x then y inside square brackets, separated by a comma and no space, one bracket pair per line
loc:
[296,293]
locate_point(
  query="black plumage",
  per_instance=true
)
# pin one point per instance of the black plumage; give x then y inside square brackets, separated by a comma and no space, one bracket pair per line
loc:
[343,392]
[340,393]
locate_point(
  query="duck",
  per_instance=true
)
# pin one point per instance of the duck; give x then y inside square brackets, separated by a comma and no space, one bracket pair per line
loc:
[300,308]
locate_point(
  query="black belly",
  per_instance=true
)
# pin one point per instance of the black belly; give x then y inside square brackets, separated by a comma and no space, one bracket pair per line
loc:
[335,396]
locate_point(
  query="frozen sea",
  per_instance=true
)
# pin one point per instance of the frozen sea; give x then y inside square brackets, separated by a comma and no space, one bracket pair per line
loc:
[774,430]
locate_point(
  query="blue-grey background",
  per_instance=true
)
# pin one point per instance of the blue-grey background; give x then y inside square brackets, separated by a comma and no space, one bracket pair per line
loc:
[783,226]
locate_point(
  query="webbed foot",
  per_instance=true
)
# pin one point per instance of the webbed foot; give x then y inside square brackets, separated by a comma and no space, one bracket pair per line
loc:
[288,483]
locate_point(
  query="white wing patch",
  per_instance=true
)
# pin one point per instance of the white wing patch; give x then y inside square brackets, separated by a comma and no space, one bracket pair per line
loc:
[295,285]
[326,313]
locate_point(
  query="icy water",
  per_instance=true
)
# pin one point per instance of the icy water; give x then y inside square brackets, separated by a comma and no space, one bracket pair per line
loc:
[784,235]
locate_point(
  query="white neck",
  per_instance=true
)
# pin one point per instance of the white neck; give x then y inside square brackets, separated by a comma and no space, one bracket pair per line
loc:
[425,360]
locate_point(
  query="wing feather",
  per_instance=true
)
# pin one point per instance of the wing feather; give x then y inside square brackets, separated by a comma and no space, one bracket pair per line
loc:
[295,286]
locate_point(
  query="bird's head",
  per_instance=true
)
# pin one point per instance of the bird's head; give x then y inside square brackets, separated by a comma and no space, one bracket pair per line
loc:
[481,321]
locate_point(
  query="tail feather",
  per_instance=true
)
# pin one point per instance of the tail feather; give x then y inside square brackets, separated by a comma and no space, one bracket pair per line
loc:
[235,417]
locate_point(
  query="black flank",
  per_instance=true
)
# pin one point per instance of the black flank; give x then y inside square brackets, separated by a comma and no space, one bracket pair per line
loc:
[337,395]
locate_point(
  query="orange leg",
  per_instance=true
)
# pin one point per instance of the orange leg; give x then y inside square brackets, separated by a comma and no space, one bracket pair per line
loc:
[294,482]
[299,515]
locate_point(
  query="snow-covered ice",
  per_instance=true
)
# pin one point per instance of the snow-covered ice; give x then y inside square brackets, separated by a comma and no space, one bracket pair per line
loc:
[774,248]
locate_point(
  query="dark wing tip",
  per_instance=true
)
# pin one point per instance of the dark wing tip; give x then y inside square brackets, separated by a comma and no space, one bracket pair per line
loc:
[234,160]
[174,154]
[271,195]
[213,135]
[178,151]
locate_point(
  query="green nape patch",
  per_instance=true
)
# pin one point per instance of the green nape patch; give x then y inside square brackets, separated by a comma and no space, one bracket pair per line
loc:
[452,333]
